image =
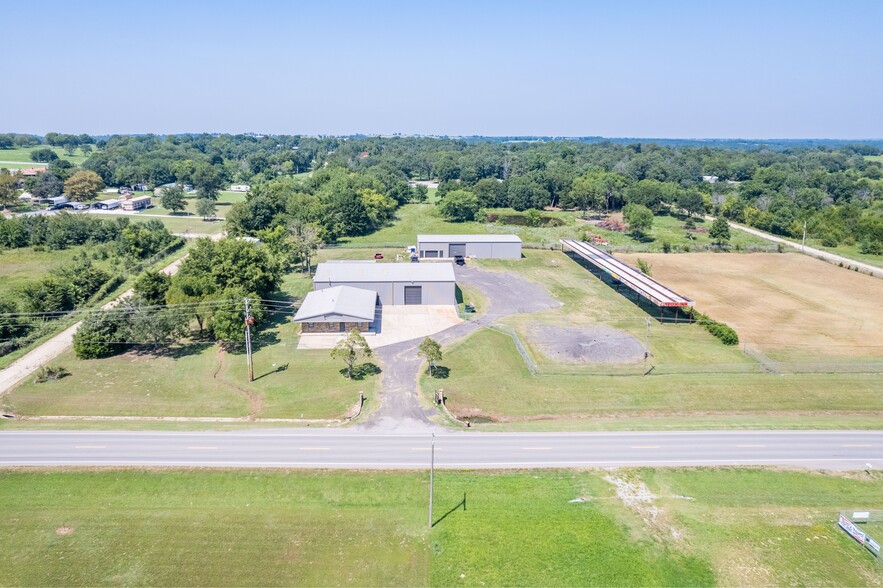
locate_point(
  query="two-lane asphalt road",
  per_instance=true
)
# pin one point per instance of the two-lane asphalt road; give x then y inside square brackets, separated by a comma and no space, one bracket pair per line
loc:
[353,449]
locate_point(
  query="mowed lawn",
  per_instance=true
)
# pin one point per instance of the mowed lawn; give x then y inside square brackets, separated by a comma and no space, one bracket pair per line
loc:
[489,381]
[531,528]
[792,306]
[199,379]
[225,200]
[23,155]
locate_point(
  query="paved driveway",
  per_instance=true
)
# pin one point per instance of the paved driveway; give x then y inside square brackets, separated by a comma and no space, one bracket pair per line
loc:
[400,410]
[397,324]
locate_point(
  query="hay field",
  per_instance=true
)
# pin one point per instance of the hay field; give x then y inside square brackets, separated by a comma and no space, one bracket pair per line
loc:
[789,303]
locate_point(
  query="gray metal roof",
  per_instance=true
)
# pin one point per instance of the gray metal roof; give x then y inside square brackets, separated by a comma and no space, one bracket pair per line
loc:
[384,272]
[338,302]
[468,239]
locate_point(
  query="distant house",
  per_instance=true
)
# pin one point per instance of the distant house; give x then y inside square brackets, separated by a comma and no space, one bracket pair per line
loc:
[337,310]
[107,204]
[137,203]
[709,179]
[240,188]
[32,171]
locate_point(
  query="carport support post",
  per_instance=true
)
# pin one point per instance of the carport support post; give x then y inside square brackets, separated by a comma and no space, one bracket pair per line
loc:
[431,477]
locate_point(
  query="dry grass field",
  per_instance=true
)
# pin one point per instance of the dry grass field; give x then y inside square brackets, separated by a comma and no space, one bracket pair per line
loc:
[789,304]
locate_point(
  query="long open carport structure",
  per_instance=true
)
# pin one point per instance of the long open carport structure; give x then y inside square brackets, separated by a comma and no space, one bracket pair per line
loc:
[633,278]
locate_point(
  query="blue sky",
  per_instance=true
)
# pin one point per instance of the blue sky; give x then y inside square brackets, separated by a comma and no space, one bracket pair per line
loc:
[618,69]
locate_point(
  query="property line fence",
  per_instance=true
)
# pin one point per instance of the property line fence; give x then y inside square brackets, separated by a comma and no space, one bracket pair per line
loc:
[757,363]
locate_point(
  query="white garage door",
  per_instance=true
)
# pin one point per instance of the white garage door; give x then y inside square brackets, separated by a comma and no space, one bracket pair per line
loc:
[413,294]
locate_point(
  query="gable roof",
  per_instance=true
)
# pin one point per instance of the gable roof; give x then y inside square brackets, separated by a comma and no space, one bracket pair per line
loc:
[341,302]
[468,238]
[383,272]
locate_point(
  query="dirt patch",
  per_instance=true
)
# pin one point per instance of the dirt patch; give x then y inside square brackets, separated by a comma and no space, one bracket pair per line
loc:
[595,344]
[64,530]
[638,498]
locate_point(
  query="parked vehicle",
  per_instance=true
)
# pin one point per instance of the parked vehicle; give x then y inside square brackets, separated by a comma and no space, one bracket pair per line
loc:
[378,256]
[459,260]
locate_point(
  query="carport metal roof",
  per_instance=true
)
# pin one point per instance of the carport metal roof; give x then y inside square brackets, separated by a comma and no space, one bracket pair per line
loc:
[633,278]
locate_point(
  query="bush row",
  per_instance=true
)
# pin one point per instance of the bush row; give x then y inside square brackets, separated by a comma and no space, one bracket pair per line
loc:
[724,332]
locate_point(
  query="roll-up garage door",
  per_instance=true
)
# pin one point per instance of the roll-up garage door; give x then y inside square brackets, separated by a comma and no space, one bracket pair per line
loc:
[457,249]
[413,294]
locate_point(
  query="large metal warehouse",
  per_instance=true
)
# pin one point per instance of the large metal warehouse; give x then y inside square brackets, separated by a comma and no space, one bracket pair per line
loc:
[395,283]
[488,246]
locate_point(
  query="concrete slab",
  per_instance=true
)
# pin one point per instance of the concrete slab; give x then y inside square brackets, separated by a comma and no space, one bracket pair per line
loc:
[397,324]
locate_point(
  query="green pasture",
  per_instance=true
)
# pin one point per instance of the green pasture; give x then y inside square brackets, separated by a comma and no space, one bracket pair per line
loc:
[23,155]
[733,526]
[225,200]
[489,380]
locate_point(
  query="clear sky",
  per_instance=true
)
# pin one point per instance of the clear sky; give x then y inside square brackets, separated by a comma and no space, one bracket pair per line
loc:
[741,68]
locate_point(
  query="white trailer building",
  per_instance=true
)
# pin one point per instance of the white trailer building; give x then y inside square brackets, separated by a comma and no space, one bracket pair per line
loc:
[487,246]
[395,283]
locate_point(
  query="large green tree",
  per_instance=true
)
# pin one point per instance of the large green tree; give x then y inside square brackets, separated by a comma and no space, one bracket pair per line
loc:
[83,185]
[720,231]
[459,206]
[639,219]
[172,198]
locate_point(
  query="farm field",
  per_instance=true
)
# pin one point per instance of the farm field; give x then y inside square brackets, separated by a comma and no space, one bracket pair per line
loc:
[711,527]
[23,155]
[791,306]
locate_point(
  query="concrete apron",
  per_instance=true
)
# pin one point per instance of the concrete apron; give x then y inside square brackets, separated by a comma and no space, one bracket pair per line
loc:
[397,324]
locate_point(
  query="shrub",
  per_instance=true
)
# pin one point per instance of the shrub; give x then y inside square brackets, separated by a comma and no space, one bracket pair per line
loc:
[50,373]
[666,247]
[726,334]
[644,266]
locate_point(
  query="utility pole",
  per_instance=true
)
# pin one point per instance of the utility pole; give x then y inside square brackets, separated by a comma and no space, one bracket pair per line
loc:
[431,476]
[249,321]
[803,246]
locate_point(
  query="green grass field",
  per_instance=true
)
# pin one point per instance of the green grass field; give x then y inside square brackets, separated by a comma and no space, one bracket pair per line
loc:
[23,155]
[711,527]
[22,265]
[225,200]
[414,219]
[508,392]
[198,379]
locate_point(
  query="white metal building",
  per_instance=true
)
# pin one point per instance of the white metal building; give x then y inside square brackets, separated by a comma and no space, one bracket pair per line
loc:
[395,283]
[488,246]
